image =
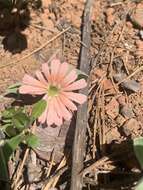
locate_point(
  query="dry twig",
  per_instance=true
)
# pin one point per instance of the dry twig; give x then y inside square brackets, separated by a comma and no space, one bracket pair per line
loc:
[15,183]
[36,50]
[132,74]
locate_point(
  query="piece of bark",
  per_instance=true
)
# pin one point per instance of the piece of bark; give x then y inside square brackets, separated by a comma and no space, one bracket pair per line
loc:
[58,139]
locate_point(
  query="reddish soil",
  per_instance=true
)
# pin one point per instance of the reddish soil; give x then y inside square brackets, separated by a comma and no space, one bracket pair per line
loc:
[115,109]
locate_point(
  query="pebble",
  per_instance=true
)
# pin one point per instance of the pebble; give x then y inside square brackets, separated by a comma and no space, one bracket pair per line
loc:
[120,120]
[113,135]
[139,45]
[130,127]
[122,100]
[137,16]
[108,86]
[127,111]
[110,16]
[112,109]
[128,84]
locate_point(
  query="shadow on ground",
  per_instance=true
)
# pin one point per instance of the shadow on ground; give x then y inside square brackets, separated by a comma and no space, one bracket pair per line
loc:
[14,18]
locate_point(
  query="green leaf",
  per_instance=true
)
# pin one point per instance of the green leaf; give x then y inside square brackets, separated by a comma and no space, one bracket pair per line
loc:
[32,140]
[138,149]
[81,75]
[139,185]
[14,121]
[11,145]
[20,120]
[9,130]
[6,121]
[38,109]
[8,113]
[13,89]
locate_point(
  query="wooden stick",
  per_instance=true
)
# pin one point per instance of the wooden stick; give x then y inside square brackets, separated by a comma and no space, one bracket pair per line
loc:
[81,123]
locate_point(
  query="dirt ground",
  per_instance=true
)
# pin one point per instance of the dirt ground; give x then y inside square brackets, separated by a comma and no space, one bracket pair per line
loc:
[115,91]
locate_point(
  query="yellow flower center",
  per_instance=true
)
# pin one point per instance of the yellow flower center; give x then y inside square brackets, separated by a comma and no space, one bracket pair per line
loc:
[53,90]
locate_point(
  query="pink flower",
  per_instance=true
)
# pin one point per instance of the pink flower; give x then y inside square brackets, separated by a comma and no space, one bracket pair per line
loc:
[57,84]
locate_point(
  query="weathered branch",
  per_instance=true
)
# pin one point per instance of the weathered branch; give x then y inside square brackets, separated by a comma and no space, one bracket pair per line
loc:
[81,122]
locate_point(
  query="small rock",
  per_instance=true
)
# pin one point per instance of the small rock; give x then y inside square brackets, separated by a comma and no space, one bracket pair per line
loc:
[107,84]
[132,85]
[112,109]
[112,135]
[137,16]
[120,120]
[139,45]
[130,127]
[110,16]
[128,84]
[122,100]
[118,64]
[127,111]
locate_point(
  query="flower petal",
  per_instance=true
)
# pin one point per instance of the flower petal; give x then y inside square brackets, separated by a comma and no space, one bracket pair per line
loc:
[45,70]
[64,112]
[71,77]
[43,117]
[57,107]
[67,102]
[50,114]
[76,97]
[63,70]
[55,65]
[41,78]
[58,120]
[76,85]
[52,117]
[27,89]
[27,79]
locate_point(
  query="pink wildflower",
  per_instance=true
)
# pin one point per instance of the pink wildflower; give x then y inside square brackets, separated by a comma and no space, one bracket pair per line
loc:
[57,86]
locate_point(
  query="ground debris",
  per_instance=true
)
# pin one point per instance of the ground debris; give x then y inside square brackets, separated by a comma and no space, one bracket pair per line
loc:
[110,16]
[112,135]
[129,84]
[139,45]
[112,108]
[137,15]
[130,127]
[127,111]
